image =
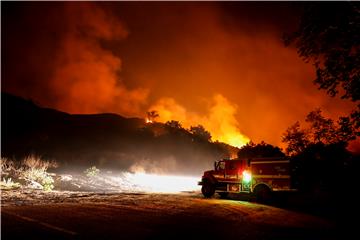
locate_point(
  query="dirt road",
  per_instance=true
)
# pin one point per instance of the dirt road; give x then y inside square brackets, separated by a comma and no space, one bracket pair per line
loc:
[60,215]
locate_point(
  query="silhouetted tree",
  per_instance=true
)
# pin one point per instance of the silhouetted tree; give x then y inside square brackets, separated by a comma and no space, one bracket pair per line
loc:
[347,129]
[252,150]
[174,128]
[200,132]
[319,152]
[320,165]
[173,124]
[151,115]
[321,130]
[296,139]
[329,38]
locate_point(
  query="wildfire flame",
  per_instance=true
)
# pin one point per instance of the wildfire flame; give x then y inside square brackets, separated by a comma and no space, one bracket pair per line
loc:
[220,120]
[234,138]
[147,120]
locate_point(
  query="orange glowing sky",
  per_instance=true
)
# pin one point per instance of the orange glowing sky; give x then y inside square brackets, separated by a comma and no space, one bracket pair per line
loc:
[220,65]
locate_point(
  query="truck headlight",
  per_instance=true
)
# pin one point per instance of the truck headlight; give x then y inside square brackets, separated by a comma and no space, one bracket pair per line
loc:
[246,176]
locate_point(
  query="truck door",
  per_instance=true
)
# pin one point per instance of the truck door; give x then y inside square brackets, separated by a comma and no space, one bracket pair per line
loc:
[220,169]
[232,168]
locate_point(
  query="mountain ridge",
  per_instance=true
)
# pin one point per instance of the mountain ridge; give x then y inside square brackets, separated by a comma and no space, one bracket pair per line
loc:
[106,140]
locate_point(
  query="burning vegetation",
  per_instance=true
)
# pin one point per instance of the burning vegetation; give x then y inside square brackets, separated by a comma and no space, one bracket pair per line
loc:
[220,120]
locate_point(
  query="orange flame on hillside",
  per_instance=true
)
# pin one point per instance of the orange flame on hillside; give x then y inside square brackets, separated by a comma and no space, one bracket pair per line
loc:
[220,119]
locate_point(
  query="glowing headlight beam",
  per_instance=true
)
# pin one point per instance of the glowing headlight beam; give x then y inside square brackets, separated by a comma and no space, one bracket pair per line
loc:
[160,183]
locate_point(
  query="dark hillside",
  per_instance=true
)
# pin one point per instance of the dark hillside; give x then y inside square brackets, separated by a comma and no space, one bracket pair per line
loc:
[106,140]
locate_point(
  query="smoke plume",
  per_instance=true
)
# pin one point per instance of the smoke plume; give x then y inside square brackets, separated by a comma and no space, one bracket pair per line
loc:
[67,56]
[86,78]
[67,62]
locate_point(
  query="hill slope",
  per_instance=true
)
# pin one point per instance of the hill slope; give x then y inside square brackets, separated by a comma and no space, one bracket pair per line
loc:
[105,140]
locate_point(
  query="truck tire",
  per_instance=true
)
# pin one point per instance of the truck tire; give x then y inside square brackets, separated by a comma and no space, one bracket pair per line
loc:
[208,189]
[262,193]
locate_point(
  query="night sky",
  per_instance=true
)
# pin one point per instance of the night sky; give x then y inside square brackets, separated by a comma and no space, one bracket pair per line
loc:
[222,65]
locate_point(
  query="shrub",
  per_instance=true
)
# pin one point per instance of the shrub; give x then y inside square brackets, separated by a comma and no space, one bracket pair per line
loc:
[92,171]
[38,176]
[8,184]
[48,183]
[31,172]
[6,165]
[34,162]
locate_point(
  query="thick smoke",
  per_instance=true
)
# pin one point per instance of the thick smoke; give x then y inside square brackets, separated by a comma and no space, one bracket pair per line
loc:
[200,50]
[86,77]
[188,51]
[67,61]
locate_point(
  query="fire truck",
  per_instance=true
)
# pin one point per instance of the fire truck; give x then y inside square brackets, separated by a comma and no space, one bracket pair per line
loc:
[259,176]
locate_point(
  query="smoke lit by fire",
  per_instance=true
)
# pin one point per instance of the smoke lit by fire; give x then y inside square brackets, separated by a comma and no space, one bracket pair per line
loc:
[220,118]
[87,73]
[126,58]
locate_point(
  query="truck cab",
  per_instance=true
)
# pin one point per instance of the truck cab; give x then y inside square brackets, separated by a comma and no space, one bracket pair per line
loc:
[260,176]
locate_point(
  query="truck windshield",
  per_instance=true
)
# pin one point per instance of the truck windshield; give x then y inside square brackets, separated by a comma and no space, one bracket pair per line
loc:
[220,165]
[217,165]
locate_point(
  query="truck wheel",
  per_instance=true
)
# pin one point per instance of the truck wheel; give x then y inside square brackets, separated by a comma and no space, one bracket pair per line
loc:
[262,193]
[208,189]
[223,194]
